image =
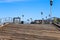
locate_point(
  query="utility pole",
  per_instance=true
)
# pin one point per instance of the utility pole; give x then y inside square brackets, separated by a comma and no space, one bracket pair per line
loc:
[51,3]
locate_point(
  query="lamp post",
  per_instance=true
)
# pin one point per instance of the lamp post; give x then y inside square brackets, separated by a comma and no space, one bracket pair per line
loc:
[51,3]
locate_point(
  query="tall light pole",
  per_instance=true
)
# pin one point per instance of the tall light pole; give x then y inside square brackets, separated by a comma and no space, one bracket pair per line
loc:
[51,3]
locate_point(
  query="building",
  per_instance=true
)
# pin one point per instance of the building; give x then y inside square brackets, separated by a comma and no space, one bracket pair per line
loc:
[41,22]
[38,21]
[17,20]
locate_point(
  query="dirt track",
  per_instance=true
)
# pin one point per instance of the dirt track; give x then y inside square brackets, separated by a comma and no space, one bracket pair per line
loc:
[29,32]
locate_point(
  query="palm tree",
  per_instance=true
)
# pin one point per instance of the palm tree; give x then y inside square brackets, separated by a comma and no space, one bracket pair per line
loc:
[46,17]
[49,18]
[22,16]
[49,15]
[41,13]
[28,20]
[31,19]
[42,16]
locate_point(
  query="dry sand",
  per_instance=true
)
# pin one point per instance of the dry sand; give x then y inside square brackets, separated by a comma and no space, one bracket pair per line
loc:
[29,32]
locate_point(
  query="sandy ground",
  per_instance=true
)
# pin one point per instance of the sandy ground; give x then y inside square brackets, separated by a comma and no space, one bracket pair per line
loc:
[29,32]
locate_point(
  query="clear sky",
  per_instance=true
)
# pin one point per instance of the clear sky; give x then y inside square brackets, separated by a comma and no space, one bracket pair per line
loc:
[28,8]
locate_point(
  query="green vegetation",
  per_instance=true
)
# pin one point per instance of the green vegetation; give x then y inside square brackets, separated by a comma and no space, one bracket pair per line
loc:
[56,20]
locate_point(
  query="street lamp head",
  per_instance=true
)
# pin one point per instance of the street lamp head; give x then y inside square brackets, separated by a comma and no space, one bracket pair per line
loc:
[51,2]
[22,15]
[41,13]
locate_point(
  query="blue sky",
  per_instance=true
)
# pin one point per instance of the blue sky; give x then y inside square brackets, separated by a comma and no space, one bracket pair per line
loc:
[28,8]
